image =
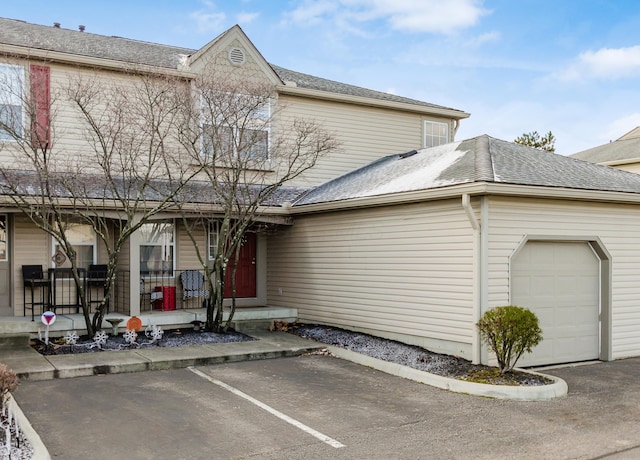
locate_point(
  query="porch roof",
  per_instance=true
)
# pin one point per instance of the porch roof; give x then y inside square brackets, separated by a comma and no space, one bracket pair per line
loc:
[95,188]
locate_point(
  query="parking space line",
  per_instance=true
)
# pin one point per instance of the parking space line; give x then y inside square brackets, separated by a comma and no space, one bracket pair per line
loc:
[326,439]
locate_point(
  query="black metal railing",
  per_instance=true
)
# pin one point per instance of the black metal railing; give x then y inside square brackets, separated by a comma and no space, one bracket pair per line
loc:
[183,289]
[161,291]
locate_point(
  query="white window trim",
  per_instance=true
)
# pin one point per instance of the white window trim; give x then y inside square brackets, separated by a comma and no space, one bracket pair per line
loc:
[425,136]
[94,244]
[213,229]
[19,71]
[172,244]
[6,237]
[262,115]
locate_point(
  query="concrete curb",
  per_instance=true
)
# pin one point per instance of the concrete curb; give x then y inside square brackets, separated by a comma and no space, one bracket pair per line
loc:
[557,389]
[40,451]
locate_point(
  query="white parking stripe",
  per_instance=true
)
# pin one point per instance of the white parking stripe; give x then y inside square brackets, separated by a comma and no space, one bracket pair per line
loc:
[326,439]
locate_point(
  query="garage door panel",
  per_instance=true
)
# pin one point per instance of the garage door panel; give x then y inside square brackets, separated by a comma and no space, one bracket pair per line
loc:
[560,283]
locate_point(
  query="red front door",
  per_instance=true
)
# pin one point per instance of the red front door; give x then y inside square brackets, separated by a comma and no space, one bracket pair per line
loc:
[245,272]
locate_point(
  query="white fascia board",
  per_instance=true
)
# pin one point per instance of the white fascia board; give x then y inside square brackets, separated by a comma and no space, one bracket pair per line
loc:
[371,102]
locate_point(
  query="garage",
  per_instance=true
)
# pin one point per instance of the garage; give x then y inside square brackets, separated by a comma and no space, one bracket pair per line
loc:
[560,283]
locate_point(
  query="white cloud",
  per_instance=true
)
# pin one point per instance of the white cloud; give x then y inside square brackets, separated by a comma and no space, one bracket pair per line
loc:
[416,16]
[246,18]
[621,126]
[604,64]
[312,11]
[208,22]
[480,40]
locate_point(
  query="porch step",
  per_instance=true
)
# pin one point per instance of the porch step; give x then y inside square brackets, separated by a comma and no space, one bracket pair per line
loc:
[14,341]
[251,325]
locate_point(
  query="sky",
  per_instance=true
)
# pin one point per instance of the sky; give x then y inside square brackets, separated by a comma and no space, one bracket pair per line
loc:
[571,67]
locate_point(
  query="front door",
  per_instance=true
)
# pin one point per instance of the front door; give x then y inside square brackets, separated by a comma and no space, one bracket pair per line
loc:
[245,272]
[5,272]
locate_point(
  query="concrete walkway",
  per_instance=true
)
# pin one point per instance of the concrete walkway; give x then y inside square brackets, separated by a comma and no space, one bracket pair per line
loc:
[31,365]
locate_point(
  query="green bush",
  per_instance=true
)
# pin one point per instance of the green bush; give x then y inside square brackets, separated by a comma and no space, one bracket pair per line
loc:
[509,331]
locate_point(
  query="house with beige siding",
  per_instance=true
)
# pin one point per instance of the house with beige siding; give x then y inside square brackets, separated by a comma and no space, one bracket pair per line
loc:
[623,153]
[41,62]
[417,246]
[403,232]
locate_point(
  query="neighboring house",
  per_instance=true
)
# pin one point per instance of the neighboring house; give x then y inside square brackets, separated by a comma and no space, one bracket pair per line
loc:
[623,153]
[41,60]
[416,246]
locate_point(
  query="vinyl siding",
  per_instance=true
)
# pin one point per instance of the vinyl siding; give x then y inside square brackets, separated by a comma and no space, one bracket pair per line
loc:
[402,271]
[365,134]
[510,220]
[30,247]
[631,167]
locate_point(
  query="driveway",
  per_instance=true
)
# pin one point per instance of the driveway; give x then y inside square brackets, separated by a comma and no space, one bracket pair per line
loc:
[318,407]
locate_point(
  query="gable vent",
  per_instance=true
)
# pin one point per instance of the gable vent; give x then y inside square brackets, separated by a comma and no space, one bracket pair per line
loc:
[236,56]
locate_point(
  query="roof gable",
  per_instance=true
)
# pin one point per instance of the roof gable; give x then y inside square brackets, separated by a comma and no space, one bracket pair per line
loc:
[219,47]
[480,159]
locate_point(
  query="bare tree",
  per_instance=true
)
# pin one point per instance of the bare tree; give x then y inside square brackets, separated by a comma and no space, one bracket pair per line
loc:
[126,172]
[247,151]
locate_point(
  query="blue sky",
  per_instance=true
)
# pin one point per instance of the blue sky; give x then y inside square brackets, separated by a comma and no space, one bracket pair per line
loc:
[567,66]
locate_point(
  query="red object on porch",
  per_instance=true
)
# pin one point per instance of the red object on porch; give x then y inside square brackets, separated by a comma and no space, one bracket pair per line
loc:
[168,300]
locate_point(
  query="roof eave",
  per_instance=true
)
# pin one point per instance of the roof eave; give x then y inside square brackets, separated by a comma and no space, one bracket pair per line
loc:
[625,161]
[88,61]
[371,102]
[471,189]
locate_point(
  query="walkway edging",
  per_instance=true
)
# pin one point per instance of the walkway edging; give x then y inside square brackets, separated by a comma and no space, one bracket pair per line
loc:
[40,451]
[557,389]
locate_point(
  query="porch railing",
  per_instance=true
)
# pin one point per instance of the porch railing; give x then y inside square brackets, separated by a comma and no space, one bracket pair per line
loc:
[181,289]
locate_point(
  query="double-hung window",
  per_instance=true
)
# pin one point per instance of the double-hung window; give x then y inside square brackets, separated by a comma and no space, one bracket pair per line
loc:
[11,97]
[157,246]
[435,133]
[236,127]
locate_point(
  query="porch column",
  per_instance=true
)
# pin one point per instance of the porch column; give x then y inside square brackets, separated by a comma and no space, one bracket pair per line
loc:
[134,273]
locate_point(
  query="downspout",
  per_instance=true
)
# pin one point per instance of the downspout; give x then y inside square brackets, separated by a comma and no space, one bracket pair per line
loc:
[456,125]
[475,225]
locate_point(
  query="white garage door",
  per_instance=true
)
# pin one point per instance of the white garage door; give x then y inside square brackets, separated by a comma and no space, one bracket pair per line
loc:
[560,283]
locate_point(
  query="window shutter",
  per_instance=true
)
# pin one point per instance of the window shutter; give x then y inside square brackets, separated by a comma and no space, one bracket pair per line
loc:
[40,100]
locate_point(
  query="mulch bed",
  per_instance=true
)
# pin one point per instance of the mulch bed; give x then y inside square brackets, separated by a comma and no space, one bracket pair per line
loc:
[412,356]
[171,338]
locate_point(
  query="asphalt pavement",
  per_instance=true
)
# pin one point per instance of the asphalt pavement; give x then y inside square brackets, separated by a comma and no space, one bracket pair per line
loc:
[321,407]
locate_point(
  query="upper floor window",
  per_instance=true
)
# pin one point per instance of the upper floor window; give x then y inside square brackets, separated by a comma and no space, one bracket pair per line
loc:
[236,129]
[435,133]
[157,248]
[11,88]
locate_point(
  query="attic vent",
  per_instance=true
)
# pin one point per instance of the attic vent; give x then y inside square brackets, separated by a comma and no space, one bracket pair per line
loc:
[408,154]
[236,56]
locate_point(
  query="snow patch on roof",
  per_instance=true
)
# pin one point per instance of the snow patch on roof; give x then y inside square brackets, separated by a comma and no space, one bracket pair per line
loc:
[426,175]
[426,169]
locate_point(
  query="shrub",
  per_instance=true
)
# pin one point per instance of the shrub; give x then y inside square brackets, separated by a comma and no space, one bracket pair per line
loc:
[8,383]
[509,331]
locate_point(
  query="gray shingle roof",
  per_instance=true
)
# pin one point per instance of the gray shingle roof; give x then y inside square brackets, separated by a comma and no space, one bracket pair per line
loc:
[48,38]
[303,80]
[625,148]
[97,187]
[480,159]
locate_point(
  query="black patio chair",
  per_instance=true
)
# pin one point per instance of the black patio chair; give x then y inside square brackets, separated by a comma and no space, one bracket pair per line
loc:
[34,280]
